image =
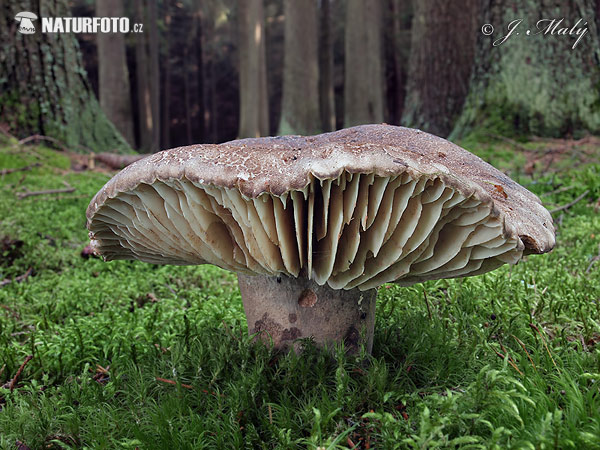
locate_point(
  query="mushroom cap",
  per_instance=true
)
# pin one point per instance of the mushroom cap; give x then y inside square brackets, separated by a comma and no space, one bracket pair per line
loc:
[353,208]
[26,15]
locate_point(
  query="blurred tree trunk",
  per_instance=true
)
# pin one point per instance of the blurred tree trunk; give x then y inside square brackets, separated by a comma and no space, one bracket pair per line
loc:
[43,86]
[187,94]
[199,71]
[538,83]
[397,51]
[166,104]
[145,121]
[442,50]
[113,76]
[363,86]
[154,73]
[326,93]
[300,103]
[254,100]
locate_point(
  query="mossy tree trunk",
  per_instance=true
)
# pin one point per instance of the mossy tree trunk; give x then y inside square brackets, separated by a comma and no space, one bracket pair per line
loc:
[254,101]
[444,34]
[363,85]
[113,76]
[535,83]
[43,85]
[300,103]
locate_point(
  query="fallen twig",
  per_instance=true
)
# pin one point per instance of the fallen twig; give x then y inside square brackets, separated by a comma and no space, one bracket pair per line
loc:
[68,189]
[40,137]
[509,360]
[545,345]
[19,169]
[62,145]
[509,141]
[228,331]
[594,259]
[568,205]
[17,279]
[13,382]
[525,350]
[558,191]
[164,380]
[427,303]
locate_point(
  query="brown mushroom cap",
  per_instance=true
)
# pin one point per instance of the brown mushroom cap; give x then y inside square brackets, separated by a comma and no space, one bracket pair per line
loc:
[354,208]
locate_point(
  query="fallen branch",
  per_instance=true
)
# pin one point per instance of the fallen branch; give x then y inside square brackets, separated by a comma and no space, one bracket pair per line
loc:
[13,382]
[594,259]
[17,279]
[509,141]
[68,189]
[62,145]
[40,137]
[115,161]
[558,191]
[568,205]
[19,169]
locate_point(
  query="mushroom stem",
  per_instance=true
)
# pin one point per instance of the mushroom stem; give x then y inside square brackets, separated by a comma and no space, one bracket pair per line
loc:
[283,309]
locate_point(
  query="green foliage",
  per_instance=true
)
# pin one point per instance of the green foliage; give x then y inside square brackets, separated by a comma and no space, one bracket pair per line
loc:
[434,379]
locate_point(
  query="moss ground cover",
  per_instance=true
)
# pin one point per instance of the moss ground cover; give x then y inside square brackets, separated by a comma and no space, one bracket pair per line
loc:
[132,355]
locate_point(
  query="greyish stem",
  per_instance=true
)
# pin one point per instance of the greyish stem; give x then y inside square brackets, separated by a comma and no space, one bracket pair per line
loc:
[284,309]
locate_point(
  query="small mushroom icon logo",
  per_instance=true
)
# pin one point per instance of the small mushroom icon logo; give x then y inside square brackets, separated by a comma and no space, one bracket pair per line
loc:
[25,20]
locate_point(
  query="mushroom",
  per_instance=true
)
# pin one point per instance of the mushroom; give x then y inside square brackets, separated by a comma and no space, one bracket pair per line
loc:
[314,225]
[25,20]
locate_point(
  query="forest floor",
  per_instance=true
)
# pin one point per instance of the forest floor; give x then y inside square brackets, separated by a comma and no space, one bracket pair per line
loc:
[132,355]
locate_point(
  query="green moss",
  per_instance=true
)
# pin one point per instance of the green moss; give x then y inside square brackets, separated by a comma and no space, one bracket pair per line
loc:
[434,380]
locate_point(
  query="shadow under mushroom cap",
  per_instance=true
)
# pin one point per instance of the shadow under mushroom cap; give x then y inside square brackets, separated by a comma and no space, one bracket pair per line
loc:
[354,208]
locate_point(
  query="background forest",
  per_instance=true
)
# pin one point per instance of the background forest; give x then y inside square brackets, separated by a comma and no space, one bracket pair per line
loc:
[130,355]
[211,71]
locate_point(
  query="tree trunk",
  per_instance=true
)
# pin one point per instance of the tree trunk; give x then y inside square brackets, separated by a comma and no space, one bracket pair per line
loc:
[199,45]
[300,103]
[535,83]
[442,50]
[187,95]
[396,51]
[166,112]
[154,73]
[363,86]
[143,83]
[113,76]
[43,87]
[254,100]
[326,93]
